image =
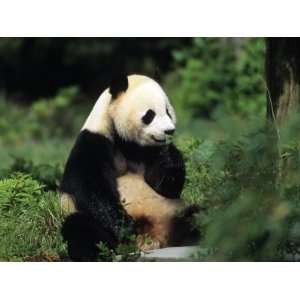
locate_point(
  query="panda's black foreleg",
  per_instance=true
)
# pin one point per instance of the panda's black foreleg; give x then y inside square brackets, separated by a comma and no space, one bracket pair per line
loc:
[166,173]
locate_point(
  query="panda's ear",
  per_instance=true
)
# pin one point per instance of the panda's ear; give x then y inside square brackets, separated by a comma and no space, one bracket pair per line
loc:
[118,84]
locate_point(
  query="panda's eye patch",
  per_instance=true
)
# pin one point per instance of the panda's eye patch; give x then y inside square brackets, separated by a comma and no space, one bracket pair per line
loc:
[168,113]
[148,117]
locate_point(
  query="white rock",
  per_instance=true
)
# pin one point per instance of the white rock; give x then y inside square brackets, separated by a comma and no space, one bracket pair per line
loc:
[170,254]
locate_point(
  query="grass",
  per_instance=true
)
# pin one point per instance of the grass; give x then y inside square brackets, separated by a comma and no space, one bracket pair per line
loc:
[30,221]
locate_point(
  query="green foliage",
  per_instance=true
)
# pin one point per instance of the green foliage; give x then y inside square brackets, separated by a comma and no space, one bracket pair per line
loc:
[219,74]
[44,119]
[46,174]
[124,252]
[30,220]
[55,115]
[18,192]
[250,188]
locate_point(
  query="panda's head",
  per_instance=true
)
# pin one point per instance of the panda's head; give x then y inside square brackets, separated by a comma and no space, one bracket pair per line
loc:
[140,110]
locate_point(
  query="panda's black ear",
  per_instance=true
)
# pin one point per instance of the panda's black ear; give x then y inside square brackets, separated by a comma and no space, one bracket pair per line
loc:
[118,84]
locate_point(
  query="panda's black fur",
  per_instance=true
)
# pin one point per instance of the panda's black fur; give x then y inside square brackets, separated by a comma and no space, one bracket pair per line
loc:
[90,178]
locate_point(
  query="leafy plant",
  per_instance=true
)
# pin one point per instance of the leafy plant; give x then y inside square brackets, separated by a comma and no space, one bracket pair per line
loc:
[250,188]
[46,174]
[30,220]
[44,119]
[219,75]
[19,192]
[124,252]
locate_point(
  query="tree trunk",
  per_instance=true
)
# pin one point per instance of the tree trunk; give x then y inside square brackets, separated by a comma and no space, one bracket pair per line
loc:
[283,77]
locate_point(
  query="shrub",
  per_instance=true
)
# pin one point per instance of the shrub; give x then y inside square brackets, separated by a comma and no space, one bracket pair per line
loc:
[250,188]
[218,74]
[53,117]
[58,117]
[30,220]
[19,191]
[48,175]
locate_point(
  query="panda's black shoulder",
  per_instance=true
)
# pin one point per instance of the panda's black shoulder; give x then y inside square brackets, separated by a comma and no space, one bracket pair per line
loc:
[91,152]
[90,142]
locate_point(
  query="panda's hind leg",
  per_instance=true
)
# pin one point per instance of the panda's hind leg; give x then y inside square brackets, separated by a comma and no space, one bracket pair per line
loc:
[82,233]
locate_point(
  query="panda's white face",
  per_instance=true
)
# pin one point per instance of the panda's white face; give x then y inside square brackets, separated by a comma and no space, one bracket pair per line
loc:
[143,113]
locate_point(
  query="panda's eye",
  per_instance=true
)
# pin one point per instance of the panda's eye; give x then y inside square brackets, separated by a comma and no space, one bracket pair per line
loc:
[148,117]
[168,113]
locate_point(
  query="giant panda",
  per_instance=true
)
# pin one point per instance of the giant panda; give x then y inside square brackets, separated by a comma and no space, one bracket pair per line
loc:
[123,171]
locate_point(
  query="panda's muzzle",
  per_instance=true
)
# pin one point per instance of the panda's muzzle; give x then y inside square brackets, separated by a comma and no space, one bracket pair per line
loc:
[158,140]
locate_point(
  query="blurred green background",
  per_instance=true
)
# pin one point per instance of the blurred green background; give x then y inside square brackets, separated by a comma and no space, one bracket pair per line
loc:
[236,167]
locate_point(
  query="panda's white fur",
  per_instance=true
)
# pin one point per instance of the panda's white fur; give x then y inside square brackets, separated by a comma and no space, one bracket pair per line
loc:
[127,111]
[99,120]
[124,114]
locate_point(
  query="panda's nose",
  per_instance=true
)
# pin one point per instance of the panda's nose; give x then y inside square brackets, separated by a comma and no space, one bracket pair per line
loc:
[169,132]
